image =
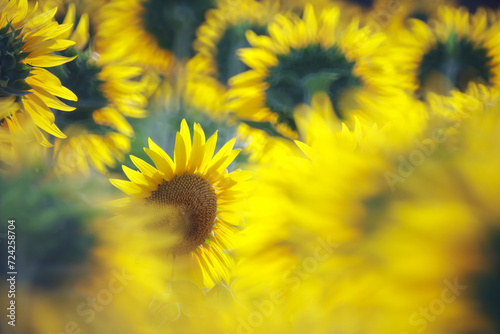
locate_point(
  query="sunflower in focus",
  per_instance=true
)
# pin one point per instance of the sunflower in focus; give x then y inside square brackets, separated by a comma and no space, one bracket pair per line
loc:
[218,38]
[301,57]
[150,33]
[98,131]
[26,85]
[192,198]
[449,53]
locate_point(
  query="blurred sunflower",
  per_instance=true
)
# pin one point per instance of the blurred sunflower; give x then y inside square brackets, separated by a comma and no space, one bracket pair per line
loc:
[193,199]
[218,38]
[18,144]
[149,32]
[304,56]
[448,54]
[73,265]
[334,257]
[62,6]
[29,38]
[98,132]
[381,15]
[451,110]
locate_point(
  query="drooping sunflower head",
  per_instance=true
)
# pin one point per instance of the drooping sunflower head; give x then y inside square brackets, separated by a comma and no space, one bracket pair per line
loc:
[224,32]
[150,32]
[299,58]
[450,53]
[107,93]
[192,198]
[25,85]
[217,41]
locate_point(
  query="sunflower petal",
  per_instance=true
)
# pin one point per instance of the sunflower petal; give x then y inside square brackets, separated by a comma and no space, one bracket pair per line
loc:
[160,163]
[127,187]
[208,152]
[180,157]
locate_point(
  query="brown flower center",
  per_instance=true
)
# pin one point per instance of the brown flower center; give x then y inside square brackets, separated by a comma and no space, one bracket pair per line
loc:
[186,206]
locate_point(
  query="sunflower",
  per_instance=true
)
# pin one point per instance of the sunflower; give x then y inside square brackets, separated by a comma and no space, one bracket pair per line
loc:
[218,38]
[18,144]
[73,264]
[151,33]
[98,131]
[381,15]
[304,56]
[157,297]
[26,85]
[449,53]
[192,198]
[346,252]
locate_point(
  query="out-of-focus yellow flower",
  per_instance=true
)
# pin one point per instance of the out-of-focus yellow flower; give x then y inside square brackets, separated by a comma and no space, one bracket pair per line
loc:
[98,131]
[18,145]
[461,105]
[151,33]
[218,38]
[357,235]
[26,85]
[304,56]
[193,199]
[448,54]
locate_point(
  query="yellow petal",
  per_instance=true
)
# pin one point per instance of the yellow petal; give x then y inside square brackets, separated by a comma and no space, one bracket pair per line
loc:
[50,100]
[186,135]
[197,150]
[160,152]
[48,60]
[81,34]
[127,187]
[208,152]
[224,151]
[180,155]
[46,80]
[41,120]
[305,148]
[160,163]
[146,168]
[220,165]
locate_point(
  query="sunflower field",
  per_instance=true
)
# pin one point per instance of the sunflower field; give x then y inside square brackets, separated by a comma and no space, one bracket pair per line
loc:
[250,166]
